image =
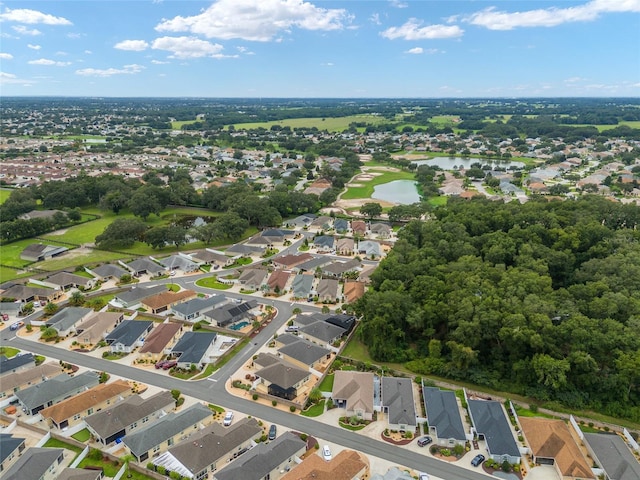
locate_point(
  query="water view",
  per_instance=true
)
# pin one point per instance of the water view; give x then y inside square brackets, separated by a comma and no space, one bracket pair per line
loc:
[454,163]
[403,192]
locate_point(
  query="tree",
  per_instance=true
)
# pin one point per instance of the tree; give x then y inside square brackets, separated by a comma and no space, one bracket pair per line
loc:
[371,210]
[77,298]
[176,235]
[121,233]
[231,225]
[206,233]
[157,237]
[143,204]
[50,308]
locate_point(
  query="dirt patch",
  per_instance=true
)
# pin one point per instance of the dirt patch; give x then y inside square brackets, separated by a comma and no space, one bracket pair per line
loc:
[59,232]
[403,441]
[358,202]
[355,185]
[78,252]
[382,169]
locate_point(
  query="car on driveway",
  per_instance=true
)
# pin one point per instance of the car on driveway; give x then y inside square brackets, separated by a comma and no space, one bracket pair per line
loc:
[326,453]
[423,476]
[424,441]
[477,460]
[273,430]
[228,418]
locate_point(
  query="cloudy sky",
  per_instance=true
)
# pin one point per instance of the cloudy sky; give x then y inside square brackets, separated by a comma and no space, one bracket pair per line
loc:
[316,48]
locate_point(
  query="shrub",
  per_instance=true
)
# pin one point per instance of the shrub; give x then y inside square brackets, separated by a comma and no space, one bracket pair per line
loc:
[175,394]
[446,452]
[317,446]
[175,475]
[255,396]
[304,437]
[151,466]
[292,409]
[533,407]
[590,424]
[274,403]
[458,450]
[506,466]
[95,454]
[161,470]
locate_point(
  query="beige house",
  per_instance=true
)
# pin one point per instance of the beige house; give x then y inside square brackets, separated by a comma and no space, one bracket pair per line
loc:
[92,330]
[344,246]
[353,391]
[353,290]
[14,382]
[162,301]
[347,465]
[36,463]
[160,341]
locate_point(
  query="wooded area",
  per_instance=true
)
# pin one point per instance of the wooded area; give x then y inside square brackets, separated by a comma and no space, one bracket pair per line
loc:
[541,299]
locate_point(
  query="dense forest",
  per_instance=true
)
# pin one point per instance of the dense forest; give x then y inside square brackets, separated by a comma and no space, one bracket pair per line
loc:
[541,299]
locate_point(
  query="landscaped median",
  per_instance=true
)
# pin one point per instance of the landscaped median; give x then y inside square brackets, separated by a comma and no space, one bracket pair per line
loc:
[213,282]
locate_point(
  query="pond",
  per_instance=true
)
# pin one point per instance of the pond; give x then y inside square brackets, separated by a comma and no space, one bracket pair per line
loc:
[403,192]
[188,221]
[454,163]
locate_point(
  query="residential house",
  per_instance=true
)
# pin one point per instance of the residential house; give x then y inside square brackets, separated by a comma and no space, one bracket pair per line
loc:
[72,411]
[193,310]
[179,262]
[393,473]
[109,271]
[211,257]
[131,298]
[277,281]
[324,329]
[266,460]
[338,269]
[194,348]
[341,225]
[93,330]
[353,290]
[142,266]
[328,290]
[365,274]
[303,353]
[278,377]
[13,309]
[160,341]
[322,222]
[290,261]
[359,228]
[443,414]
[65,320]
[324,243]
[17,363]
[24,294]
[245,250]
[344,246]
[301,286]
[161,302]
[370,249]
[610,452]
[380,230]
[276,236]
[551,443]
[65,281]
[38,252]
[206,451]
[300,221]
[10,450]
[55,390]
[128,415]
[128,335]
[14,382]
[36,463]
[80,474]
[228,315]
[398,403]
[313,264]
[354,392]
[490,422]
[347,465]
[252,278]
[157,437]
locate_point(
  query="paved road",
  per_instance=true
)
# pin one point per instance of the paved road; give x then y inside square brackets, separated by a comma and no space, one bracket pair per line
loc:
[212,390]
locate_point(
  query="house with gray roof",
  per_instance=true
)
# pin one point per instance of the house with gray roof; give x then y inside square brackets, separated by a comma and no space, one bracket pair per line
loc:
[398,404]
[232,313]
[37,463]
[328,290]
[80,474]
[312,264]
[209,450]
[193,310]
[244,250]
[94,328]
[611,453]
[341,225]
[141,266]
[55,390]
[381,230]
[66,281]
[301,286]
[300,221]
[133,297]
[324,243]
[266,460]
[38,252]
[168,431]
[109,270]
[64,321]
[490,422]
[321,332]
[277,235]
[128,335]
[211,257]
[304,353]
[345,246]
[194,348]
[129,415]
[443,414]
[25,294]
[280,378]
[179,262]
[11,308]
[14,382]
[369,248]
[17,363]
[10,450]
[338,269]
[253,278]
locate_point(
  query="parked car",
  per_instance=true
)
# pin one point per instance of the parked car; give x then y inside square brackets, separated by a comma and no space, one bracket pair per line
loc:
[5,317]
[169,364]
[477,460]
[424,441]
[326,453]
[16,325]
[228,418]
[272,432]
[423,476]
[160,364]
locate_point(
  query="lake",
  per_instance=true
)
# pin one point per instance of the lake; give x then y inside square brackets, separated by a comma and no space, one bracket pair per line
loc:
[403,192]
[451,163]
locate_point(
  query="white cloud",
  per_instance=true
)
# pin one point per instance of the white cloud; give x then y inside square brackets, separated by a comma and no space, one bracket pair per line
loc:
[159,62]
[398,4]
[32,17]
[415,51]
[550,17]
[413,30]
[22,30]
[132,45]
[188,47]
[10,78]
[75,36]
[46,61]
[257,20]
[88,52]
[6,56]
[34,47]
[96,72]
[328,64]
[573,80]
[375,19]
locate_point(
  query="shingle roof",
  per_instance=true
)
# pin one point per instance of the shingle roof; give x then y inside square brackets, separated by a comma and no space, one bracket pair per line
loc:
[65,278]
[301,285]
[56,387]
[289,261]
[198,305]
[85,400]
[279,279]
[80,474]
[8,444]
[344,466]
[614,456]
[128,332]
[254,276]
[22,292]
[227,314]
[94,327]
[33,463]
[178,261]
[323,331]
[443,413]
[140,293]
[282,374]
[490,421]
[144,440]
[244,250]
[328,287]
[164,299]
[353,290]
[397,396]
[304,351]
[159,337]
[68,317]
[354,387]
[8,365]
[312,264]
[109,270]
[263,458]
[33,375]
[193,346]
[124,413]
[324,241]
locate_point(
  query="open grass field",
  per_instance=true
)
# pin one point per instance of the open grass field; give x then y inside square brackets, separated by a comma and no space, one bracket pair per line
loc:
[10,254]
[4,194]
[178,125]
[366,190]
[338,124]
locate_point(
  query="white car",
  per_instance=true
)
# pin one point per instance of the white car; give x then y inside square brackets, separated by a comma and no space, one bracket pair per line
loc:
[326,453]
[423,476]
[228,418]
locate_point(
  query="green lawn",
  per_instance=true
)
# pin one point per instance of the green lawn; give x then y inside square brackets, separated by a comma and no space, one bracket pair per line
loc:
[330,124]
[82,436]
[212,282]
[4,194]
[314,410]
[9,351]
[54,443]
[173,287]
[366,190]
[440,201]
[178,125]
[11,252]
[327,383]
[110,468]
[207,371]
[216,408]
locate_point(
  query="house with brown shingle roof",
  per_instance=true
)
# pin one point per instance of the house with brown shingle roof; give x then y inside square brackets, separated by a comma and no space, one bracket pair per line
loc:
[97,326]
[347,465]
[162,301]
[344,246]
[353,391]
[290,261]
[161,338]
[278,281]
[552,442]
[72,411]
[353,290]
[359,227]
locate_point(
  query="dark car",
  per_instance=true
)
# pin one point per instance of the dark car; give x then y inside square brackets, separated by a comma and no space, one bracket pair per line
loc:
[424,441]
[477,460]
[272,432]
[169,364]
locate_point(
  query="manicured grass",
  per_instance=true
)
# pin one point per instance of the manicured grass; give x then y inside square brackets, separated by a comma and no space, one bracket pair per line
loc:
[178,125]
[525,412]
[438,201]
[11,274]
[54,443]
[327,383]
[9,351]
[366,190]
[330,124]
[353,428]
[239,263]
[108,467]
[216,408]
[183,375]
[73,259]
[173,287]
[314,410]
[588,429]
[206,372]
[4,194]
[11,252]
[114,356]
[82,436]
[212,282]
[357,350]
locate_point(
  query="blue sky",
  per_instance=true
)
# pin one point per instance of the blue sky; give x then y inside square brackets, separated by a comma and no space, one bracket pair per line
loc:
[315,48]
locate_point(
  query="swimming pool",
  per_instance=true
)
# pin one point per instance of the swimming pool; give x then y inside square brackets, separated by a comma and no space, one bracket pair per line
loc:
[239,326]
